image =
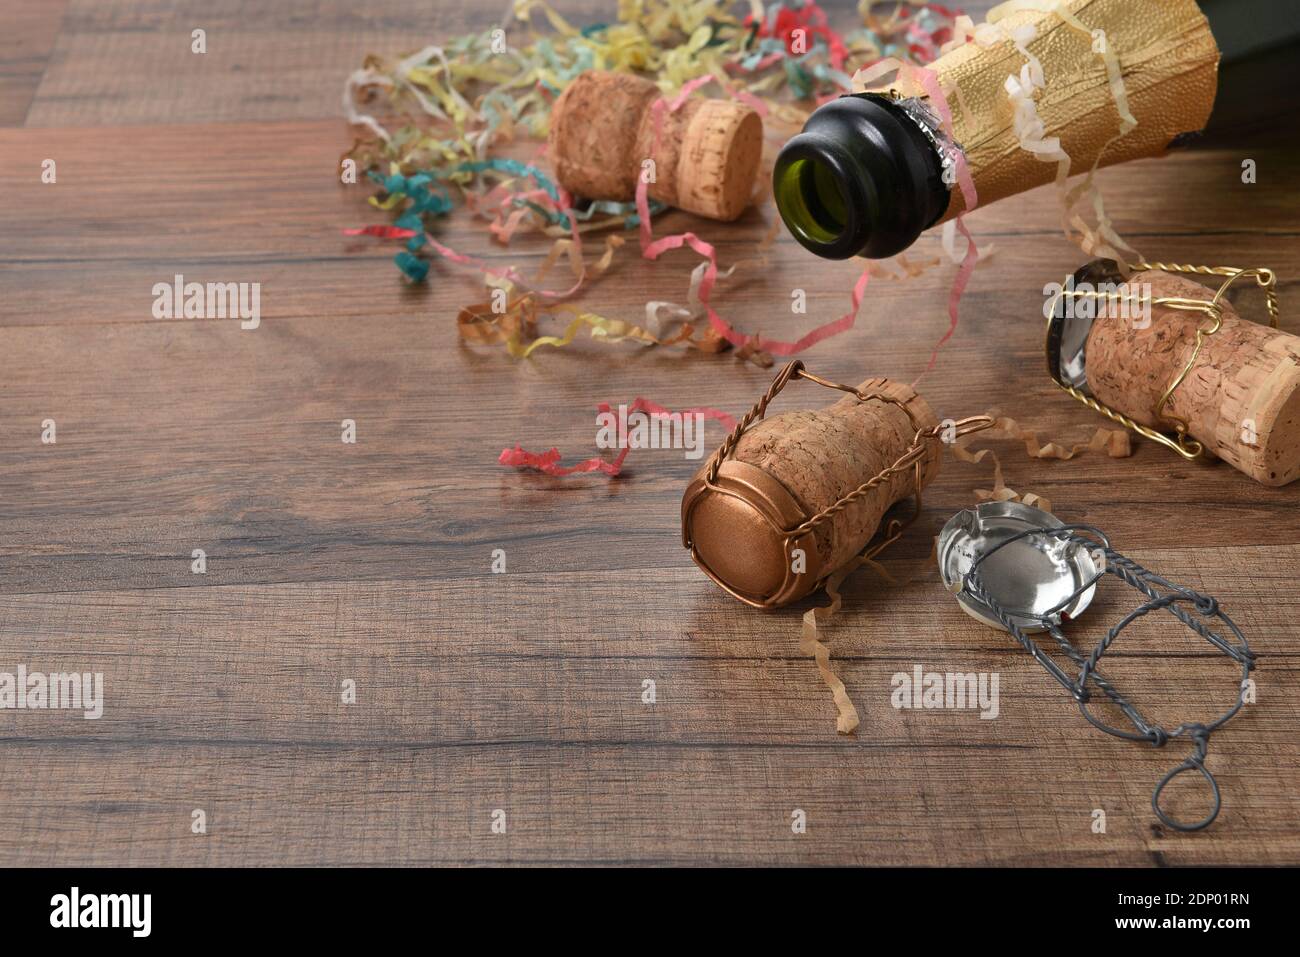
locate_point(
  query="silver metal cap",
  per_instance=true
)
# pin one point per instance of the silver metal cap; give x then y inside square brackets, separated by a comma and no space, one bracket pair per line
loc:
[1026,578]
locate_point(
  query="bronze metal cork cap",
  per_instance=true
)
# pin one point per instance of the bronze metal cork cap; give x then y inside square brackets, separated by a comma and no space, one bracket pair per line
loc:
[786,501]
[734,531]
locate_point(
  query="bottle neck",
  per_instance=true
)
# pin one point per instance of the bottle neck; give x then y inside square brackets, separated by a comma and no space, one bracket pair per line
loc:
[862,179]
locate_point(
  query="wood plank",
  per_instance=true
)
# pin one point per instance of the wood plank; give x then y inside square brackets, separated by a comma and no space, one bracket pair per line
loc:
[501,691]
[444,732]
[197,463]
[28,31]
[310,805]
[372,562]
[130,61]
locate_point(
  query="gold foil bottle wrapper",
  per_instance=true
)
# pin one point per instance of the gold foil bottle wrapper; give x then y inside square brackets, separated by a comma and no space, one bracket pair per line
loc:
[1169,65]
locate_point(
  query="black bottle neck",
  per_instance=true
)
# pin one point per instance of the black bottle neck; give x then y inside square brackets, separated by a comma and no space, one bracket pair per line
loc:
[862,179]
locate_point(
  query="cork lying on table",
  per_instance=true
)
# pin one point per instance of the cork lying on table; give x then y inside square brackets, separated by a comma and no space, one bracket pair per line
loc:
[794,465]
[705,161]
[1241,399]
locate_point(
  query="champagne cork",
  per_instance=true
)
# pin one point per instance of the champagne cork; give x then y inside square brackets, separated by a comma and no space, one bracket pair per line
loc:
[705,161]
[785,470]
[1241,397]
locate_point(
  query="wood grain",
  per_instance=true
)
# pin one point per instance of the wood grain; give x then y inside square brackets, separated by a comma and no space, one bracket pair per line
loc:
[28,31]
[371,562]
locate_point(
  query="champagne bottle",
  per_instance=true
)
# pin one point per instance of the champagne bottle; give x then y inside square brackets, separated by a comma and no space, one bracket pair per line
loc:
[872,170]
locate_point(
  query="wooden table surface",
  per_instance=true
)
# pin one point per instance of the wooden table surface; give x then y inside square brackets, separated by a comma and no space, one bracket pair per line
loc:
[371,562]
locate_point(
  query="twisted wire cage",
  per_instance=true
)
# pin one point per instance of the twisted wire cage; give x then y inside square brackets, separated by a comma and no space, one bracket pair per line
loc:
[1161,594]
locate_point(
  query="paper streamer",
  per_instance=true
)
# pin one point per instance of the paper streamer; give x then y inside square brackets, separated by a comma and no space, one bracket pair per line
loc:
[548,462]
[457,99]
[1113,442]
[814,644]
[1101,241]
[652,249]
[926,83]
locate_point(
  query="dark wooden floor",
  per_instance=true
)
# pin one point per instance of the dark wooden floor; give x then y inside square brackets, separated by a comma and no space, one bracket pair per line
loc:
[371,562]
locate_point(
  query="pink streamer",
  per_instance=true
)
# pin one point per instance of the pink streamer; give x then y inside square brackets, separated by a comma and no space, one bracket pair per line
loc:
[954,295]
[548,462]
[503,230]
[928,80]
[510,273]
[652,249]
[645,405]
[383,232]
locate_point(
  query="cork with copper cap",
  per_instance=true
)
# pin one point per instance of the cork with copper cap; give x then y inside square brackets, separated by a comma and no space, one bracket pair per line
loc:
[786,501]
[1173,360]
[706,153]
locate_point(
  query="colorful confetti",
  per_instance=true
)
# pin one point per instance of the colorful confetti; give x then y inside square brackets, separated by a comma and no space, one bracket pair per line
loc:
[456,101]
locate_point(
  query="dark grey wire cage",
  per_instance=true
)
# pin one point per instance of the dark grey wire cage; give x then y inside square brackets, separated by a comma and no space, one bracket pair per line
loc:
[1160,594]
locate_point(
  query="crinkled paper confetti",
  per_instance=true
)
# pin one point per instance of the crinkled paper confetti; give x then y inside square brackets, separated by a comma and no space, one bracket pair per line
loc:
[433,118]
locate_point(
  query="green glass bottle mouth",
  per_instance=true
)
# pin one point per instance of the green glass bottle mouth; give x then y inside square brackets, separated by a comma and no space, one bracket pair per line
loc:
[812,200]
[861,179]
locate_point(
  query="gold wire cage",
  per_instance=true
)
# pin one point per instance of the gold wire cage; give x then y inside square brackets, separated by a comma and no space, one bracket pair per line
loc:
[1180,442]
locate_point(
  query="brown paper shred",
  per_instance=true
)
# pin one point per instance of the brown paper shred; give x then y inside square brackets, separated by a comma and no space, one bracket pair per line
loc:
[1114,442]
[810,643]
